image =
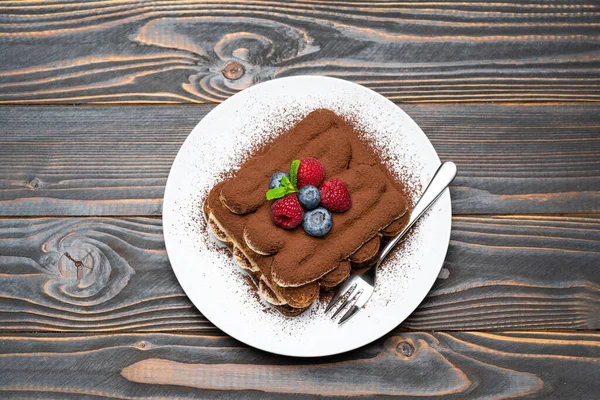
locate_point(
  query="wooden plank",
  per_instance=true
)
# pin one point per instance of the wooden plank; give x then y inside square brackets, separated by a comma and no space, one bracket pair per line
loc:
[514,272]
[115,160]
[152,366]
[175,52]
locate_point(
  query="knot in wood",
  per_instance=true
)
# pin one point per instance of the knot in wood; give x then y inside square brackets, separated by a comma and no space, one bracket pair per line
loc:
[444,273]
[405,348]
[76,265]
[34,183]
[233,70]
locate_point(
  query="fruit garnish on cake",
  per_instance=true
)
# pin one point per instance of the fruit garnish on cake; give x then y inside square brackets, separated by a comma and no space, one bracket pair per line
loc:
[306,209]
[299,196]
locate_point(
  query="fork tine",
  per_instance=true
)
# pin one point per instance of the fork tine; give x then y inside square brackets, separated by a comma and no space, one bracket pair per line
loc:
[349,299]
[349,314]
[339,294]
[361,300]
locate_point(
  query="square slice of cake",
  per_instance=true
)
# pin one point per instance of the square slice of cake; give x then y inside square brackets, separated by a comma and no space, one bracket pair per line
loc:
[290,265]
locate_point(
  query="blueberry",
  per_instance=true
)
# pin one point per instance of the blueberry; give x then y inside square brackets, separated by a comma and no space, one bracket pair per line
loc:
[275,180]
[309,197]
[317,222]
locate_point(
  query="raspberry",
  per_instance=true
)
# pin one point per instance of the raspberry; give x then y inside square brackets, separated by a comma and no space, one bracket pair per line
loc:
[287,212]
[310,172]
[335,196]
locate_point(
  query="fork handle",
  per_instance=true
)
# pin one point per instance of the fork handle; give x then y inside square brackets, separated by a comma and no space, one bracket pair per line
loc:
[440,181]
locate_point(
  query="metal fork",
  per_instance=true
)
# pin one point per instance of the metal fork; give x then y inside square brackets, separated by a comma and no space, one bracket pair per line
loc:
[359,287]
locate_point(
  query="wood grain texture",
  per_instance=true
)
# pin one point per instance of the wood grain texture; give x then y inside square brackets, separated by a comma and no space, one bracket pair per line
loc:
[115,160]
[163,51]
[500,273]
[125,283]
[157,366]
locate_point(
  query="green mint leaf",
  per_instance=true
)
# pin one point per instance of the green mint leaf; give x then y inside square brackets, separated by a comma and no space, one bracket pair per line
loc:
[276,193]
[286,187]
[294,173]
[285,182]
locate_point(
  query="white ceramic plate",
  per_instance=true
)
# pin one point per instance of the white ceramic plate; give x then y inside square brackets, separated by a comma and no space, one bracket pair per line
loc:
[212,279]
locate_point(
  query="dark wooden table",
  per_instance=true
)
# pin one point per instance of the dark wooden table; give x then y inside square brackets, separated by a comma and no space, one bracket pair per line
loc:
[98,96]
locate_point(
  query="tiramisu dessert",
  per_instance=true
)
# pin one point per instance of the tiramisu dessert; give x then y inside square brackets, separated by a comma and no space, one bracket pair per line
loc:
[306,209]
